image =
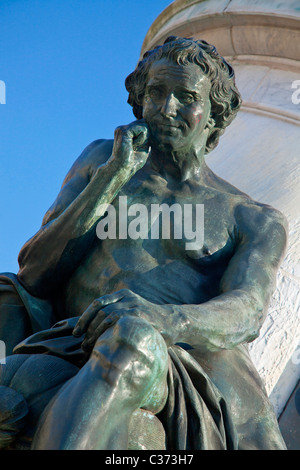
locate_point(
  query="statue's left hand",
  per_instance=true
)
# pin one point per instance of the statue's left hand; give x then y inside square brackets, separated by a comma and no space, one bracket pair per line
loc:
[105,311]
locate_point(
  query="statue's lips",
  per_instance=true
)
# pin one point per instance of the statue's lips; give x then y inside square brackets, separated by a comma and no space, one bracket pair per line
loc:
[162,124]
[167,126]
[167,129]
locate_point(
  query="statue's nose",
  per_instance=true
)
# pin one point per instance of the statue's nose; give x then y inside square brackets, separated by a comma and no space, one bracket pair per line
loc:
[169,107]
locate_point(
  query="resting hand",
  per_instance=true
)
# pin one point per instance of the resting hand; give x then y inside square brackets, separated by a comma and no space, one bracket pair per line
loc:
[105,311]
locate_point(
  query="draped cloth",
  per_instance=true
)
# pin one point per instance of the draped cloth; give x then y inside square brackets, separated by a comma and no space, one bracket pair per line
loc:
[40,312]
[195,416]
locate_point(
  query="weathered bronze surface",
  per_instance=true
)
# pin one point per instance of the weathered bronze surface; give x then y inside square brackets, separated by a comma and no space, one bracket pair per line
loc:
[146,329]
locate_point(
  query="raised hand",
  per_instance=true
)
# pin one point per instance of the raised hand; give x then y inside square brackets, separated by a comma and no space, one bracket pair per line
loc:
[131,145]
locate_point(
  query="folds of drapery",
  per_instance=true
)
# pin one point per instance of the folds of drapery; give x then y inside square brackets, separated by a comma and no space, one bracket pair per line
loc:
[40,311]
[195,416]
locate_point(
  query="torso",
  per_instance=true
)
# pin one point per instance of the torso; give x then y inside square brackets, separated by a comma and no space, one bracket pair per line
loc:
[163,271]
[160,270]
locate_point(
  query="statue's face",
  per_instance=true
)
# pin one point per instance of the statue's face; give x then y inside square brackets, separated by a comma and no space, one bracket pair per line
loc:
[176,105]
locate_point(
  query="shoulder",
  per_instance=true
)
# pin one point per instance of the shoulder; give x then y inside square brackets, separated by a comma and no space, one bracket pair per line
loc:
[250,217]
[79,176]
[261,226]
[257,216]
[94,155]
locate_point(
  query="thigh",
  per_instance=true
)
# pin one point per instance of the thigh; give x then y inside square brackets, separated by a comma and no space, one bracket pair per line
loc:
[233,372]
[36,378]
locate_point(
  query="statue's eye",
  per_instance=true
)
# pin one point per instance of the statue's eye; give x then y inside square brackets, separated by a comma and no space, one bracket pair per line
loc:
[155,92]
[186,98]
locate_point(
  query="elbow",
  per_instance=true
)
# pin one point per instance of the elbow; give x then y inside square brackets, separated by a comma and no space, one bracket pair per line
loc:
[33,276]
[25,274]
[254,307]
[256,324]
[252,335]
[31,284]
[246,330]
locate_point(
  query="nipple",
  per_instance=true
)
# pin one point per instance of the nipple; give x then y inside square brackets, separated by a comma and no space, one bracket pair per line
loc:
[206,251]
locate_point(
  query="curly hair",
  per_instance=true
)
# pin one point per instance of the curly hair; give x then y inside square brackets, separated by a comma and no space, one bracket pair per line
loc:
[224,95]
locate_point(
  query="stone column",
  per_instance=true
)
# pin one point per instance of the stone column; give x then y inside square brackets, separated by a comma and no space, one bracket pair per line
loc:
[260,151]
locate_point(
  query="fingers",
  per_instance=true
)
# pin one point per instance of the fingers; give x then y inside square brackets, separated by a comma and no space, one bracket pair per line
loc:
[131,145]
[91,312]
[139,134]
[94,332]
[100,325]
[136,133]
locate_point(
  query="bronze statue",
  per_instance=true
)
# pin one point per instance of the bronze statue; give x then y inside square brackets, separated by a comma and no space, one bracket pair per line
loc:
[147,324]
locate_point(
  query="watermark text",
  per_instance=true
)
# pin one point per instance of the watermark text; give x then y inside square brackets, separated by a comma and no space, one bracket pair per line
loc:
[2,352]
[2,92]
[296,355]
[159,221]
[296,93]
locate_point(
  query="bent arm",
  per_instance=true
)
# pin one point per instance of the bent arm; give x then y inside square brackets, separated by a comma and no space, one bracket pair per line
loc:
[237,314]
[55,251]
[50,257]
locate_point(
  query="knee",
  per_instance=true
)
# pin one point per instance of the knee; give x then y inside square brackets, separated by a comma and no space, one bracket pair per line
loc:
[145,342]
[133,353]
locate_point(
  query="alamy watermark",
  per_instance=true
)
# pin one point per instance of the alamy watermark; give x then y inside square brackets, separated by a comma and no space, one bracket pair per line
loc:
[159,221]
[2,352]
[296,93]
[2,92]
[296,355]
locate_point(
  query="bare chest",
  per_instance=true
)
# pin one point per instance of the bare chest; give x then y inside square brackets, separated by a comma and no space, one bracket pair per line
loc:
[189,223]
[169,246]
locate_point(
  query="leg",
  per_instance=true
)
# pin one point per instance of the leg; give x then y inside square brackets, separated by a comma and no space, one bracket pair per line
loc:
[127,370]
[27,384]
[233,372]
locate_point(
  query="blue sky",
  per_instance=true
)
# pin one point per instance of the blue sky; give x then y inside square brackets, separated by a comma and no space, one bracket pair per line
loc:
[64,63]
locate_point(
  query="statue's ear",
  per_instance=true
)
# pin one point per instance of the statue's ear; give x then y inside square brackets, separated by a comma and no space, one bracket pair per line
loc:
[210,126]
[210,123]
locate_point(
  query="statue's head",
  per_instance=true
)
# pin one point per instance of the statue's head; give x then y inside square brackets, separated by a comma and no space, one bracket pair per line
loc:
[224,97]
